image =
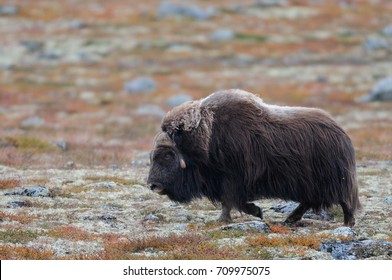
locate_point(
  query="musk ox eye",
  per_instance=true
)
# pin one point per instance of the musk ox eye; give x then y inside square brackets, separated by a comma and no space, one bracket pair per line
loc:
[169,156]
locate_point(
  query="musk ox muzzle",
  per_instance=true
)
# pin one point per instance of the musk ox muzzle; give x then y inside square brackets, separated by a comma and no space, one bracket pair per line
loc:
[233,148]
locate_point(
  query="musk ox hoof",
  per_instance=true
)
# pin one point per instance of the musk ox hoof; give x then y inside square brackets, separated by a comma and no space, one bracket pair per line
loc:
[224,219]
[350,223]
[291,220]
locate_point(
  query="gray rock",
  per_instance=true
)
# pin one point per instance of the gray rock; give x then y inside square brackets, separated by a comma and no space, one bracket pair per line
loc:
[109,185]
[151,217]
[373,43]
[285,207]
[34,121]
[257,225]
[381,91]
[270,3]
[222,35]
[17,204]
[32,45]
[77,24]
[107,217]
[388,200]
[344,231]
[70,164]
[387,31]
[288,207]
[140,85]
[150,110]
[357,249]
[8,10]
[178,99]
[167,9]
[61,144]
[35,191]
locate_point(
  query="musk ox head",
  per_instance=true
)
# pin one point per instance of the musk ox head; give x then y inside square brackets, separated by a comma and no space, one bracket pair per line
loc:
[172,171]
[167,165]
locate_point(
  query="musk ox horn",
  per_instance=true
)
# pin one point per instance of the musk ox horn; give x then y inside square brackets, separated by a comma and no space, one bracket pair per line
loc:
[163,140]
[186,117]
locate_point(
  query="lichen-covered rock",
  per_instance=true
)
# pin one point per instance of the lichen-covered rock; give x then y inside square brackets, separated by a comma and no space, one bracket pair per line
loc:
[357,249]
[35,191]
[344,231]
[257,225]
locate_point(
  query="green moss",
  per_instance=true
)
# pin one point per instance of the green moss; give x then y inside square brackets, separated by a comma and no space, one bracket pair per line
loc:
[255,38]
[30,143]
[17,236]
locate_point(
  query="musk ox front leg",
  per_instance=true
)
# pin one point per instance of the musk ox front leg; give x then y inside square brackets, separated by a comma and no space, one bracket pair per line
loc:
[225,216]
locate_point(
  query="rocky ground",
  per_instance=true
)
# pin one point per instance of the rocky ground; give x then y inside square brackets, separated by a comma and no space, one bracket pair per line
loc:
[84,85]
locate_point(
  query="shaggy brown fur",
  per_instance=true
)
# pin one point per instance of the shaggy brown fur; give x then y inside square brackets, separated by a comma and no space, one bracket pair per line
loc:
[233,148]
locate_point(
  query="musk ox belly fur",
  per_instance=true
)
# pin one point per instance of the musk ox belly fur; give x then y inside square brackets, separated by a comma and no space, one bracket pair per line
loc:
[233,148]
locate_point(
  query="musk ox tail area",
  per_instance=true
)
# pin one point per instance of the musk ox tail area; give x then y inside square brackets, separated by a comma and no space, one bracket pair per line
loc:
[233,148]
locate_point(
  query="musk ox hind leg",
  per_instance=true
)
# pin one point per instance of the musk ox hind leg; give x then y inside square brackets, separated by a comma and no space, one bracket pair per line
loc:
[297,214]
[225,215]
[349,219]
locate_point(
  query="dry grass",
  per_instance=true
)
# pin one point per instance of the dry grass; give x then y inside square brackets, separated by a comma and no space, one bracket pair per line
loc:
[186,246]
[10,252]
[72,233]
[9,183]
[309,241]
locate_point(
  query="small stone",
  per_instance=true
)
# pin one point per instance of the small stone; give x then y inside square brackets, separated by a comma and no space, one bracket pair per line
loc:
[32,45]
[8,10]
[270,3]
[257,225]
[107,217]
[109,185]
[35,191]
[387,31]
[140,85]
[344,231]
[373,43]
[61,144]
[178,99]
[17,204]
[167,9]
[388,200]
[151,217]
[77,24]
[70,165]
[34,121]
[222,35]
[150,110]
[381,91]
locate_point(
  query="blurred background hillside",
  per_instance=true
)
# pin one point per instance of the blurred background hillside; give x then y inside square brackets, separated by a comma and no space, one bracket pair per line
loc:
[86,83]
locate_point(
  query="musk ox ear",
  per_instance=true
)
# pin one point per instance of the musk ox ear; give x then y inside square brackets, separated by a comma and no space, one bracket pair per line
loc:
[185,117]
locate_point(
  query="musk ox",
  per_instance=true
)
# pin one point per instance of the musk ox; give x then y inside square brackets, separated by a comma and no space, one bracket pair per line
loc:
[233,148]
